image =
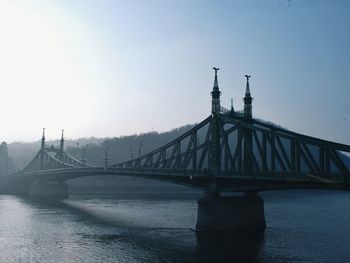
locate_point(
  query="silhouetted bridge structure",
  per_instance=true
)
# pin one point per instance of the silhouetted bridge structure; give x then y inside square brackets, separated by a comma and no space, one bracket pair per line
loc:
[229,151]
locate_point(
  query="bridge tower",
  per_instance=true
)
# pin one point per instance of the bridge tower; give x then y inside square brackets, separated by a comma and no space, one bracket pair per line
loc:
[42,150]
[215,151]
[61,147]
[48,190]
[247,133]
[217,213]
[215,95]
[248,113]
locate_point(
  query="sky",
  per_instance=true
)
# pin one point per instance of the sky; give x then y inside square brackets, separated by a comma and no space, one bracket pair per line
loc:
[109,68]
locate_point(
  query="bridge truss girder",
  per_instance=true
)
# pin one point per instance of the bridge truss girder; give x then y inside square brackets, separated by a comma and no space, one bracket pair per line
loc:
[50,158]
[249,148]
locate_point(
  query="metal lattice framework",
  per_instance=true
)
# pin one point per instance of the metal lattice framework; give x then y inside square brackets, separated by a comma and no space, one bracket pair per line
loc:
[250,149]
[181,153]
[52,158]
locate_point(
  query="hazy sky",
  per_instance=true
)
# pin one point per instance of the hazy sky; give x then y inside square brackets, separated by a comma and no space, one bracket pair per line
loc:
[109,68]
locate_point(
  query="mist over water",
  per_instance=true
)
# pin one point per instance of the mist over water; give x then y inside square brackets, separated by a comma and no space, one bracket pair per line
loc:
[302,227]
[139,214]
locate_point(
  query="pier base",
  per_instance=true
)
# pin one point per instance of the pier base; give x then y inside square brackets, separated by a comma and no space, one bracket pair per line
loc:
[49,191]
[218,213]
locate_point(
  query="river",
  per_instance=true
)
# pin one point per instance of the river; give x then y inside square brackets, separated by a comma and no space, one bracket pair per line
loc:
[303,226]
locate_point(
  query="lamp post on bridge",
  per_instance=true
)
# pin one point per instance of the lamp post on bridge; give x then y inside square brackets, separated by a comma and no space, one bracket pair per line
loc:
[83,159]
[106,160]
[140,147]
[61,146]
[42,150]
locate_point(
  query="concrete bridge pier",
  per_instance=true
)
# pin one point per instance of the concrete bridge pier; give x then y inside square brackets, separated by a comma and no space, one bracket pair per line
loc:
[236,213]
[49,191]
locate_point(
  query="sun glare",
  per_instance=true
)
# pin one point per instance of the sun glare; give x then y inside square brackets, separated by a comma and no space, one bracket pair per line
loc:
[40,81]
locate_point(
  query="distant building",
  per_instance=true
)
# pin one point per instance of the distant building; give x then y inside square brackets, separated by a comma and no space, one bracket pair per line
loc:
[4,159]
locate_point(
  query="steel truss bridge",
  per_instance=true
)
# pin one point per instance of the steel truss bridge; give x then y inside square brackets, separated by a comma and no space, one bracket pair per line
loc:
[227,151]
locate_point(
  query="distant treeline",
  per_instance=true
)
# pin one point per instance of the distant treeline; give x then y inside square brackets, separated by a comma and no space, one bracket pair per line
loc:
[123,148]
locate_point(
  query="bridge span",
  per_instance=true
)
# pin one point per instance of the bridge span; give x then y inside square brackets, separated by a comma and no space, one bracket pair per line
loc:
[229,151]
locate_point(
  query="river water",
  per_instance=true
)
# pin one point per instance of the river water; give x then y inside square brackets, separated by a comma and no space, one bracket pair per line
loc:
[303,226]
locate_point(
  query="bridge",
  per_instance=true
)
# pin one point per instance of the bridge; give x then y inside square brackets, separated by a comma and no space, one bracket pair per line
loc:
[229,151]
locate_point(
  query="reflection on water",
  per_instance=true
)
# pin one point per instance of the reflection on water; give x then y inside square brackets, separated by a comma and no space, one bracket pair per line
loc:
[138,213]
[220,247]
[302,227]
